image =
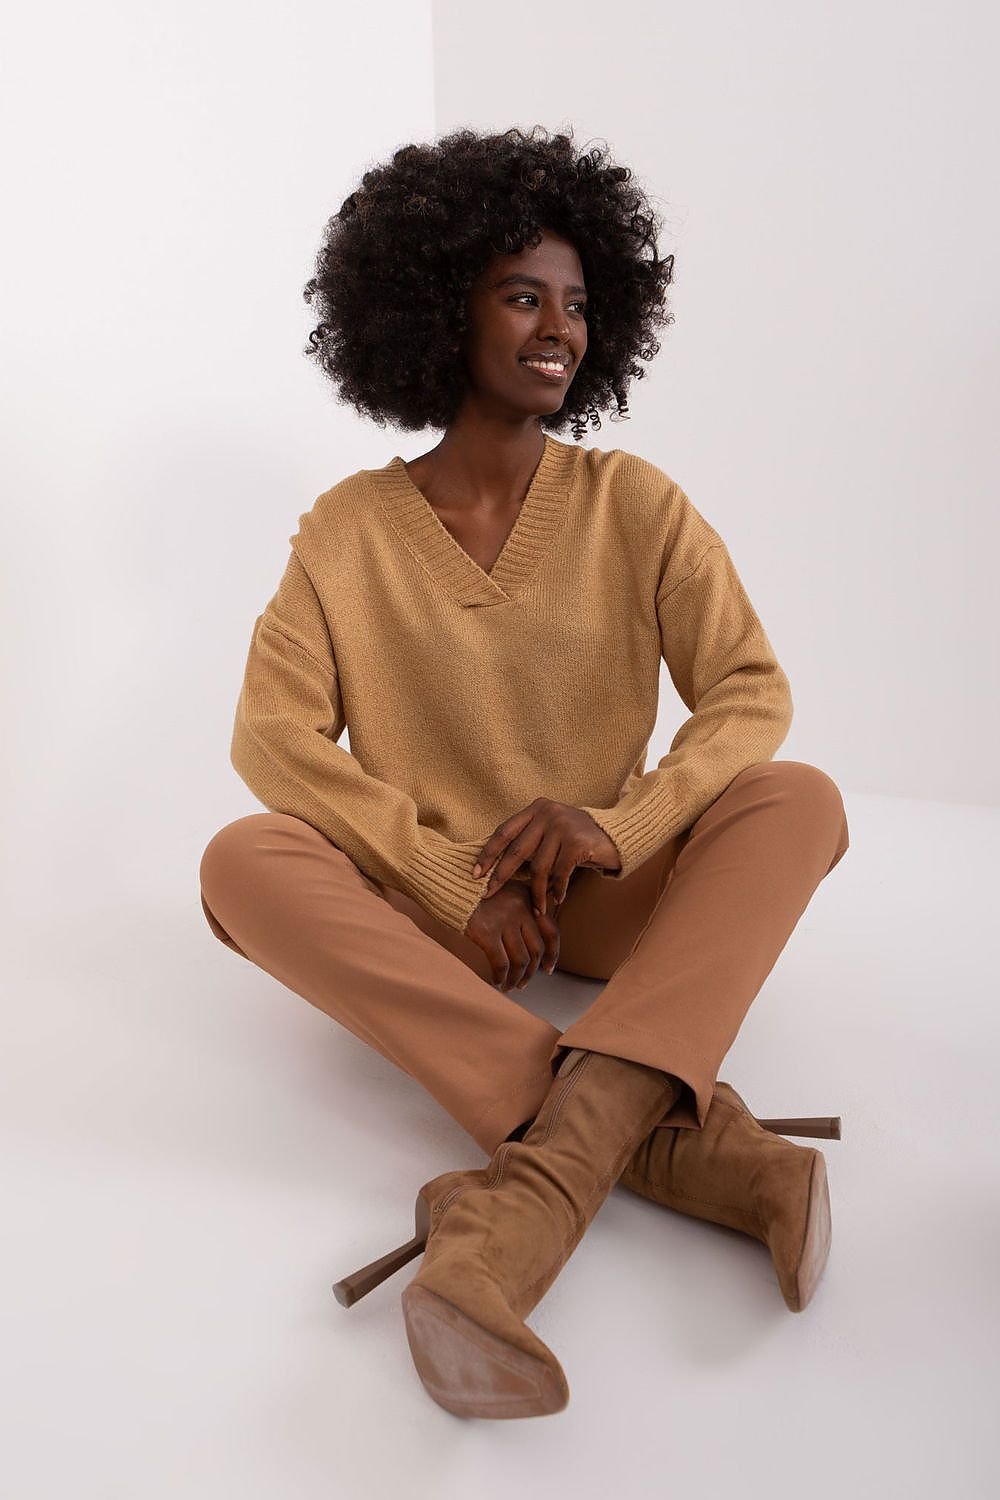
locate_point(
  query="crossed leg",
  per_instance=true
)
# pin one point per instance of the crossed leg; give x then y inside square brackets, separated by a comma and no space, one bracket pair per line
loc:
[685,944]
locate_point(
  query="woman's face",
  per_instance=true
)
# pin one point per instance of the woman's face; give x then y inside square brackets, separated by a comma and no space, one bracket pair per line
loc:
[524,305]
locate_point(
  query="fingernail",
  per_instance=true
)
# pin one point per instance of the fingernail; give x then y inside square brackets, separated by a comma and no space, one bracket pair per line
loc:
[477,869]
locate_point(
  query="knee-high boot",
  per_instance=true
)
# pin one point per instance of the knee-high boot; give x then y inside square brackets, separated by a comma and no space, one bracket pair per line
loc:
[495,1238]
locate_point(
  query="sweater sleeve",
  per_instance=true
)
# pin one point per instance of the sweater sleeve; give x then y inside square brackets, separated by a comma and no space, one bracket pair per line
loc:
[288,718]
[725,671]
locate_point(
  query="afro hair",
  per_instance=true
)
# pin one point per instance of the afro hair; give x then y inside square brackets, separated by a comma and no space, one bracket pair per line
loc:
[399,257]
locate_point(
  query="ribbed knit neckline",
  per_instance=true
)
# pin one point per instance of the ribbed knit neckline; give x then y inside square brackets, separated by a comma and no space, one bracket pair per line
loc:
[542,513]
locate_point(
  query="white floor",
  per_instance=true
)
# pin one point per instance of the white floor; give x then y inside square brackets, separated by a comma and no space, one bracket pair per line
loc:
[192,1155]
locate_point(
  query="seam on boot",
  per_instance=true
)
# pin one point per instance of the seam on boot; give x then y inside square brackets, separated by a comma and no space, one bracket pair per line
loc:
[625,1148]
[569,1085]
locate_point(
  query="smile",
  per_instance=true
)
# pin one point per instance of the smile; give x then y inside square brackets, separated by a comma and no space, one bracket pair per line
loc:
[546,371]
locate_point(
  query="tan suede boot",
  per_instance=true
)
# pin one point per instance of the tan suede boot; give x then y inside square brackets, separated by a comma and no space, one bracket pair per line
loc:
[737,1171]
[495,1238]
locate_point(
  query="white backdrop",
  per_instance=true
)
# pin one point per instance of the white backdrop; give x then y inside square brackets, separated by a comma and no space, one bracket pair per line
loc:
[828,393]
[172,171]
[189,1154]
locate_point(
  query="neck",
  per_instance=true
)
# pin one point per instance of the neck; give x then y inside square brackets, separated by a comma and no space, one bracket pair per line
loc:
[479,462]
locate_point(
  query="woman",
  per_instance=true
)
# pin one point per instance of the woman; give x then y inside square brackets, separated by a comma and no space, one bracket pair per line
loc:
[489,618]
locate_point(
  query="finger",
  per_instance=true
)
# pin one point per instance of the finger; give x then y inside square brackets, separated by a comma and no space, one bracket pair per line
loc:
[535,944]
[500,963]
[519,956]
[487,855]
[504,868]
[541,866]
[491,853]
[493,882]
[549,930]
[519,851]
[561,876]
[499,839]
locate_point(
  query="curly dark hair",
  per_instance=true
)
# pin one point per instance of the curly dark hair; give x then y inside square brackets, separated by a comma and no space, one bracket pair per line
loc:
[399,257]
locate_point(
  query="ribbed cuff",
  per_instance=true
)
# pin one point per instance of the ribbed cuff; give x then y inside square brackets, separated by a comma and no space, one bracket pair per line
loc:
[639,824]
[439,877]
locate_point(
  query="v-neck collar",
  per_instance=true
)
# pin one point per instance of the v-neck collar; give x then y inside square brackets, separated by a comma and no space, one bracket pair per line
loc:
[542,514]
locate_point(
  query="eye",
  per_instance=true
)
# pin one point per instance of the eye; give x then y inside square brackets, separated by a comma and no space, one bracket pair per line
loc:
[581,305]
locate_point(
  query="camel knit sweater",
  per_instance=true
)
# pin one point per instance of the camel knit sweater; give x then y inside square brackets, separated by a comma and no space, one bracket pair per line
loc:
[468,694]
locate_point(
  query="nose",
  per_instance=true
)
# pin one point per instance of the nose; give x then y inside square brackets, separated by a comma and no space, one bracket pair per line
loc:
[555,322]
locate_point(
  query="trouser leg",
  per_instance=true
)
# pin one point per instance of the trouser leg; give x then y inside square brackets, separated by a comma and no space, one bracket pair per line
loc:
[280,894]
[686,943]
[730,892]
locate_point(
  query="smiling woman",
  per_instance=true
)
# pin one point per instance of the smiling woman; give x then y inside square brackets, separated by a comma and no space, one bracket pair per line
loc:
[488,620]
[405,251]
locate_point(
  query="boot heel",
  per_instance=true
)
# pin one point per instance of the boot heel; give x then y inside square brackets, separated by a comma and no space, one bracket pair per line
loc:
[827,1127]
[352,1288]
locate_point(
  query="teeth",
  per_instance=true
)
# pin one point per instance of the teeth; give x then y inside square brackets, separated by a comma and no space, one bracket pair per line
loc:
[545,364]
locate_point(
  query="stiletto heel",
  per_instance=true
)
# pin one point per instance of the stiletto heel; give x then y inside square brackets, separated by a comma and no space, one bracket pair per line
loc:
[352,1288]
[826,1127]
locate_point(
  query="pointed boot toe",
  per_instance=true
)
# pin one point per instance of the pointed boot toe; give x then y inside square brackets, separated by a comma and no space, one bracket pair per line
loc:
[740,1172]
[496,1245]
[495,1239]
[471,1370]
[800,1243]
[474,1355]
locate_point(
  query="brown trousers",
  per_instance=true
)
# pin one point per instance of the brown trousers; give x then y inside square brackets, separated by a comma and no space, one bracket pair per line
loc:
[685,943]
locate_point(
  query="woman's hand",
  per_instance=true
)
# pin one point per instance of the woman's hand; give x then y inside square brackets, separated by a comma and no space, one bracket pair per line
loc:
[553,838]
[512,937]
